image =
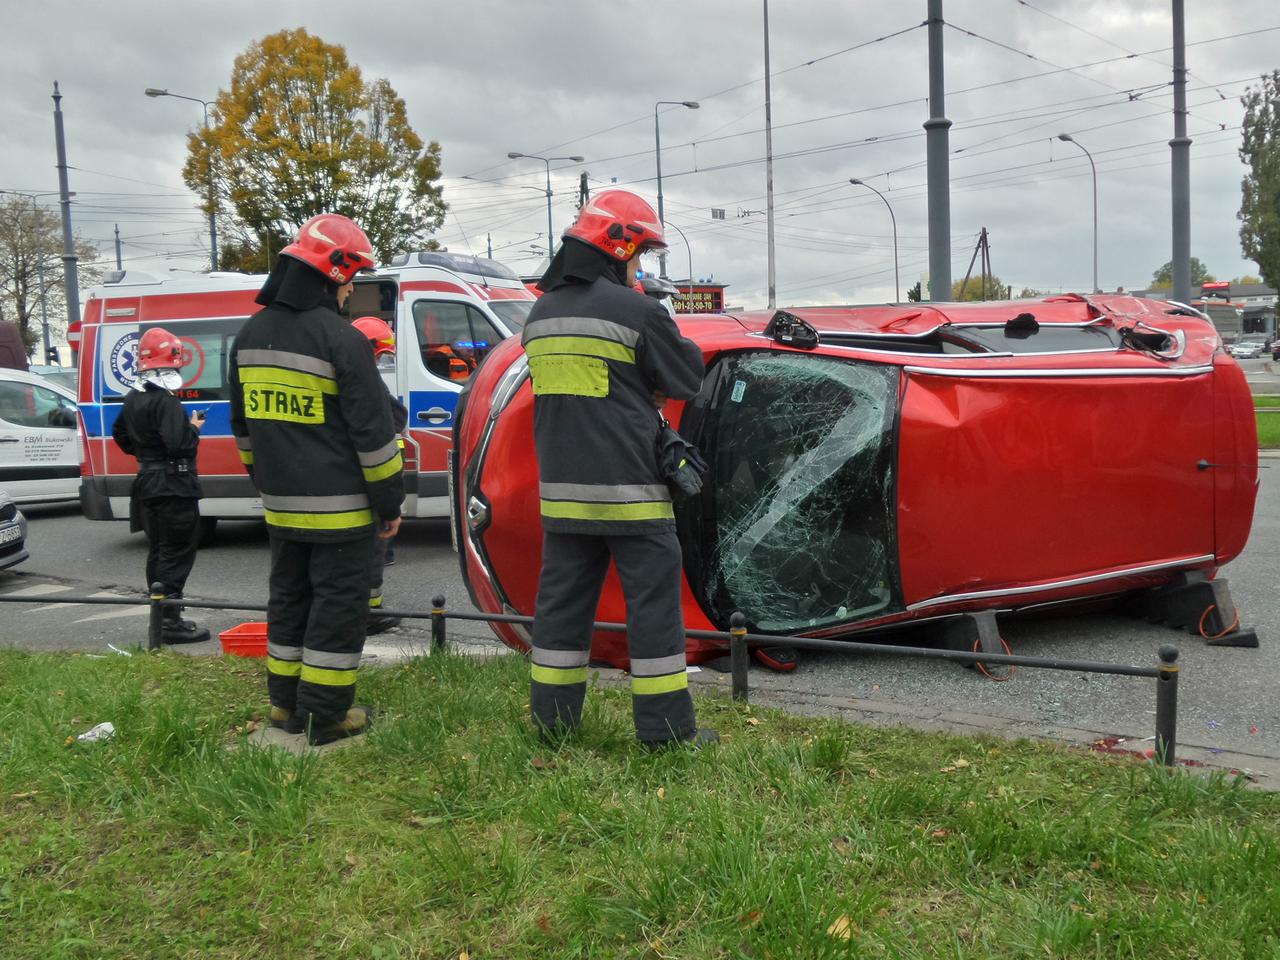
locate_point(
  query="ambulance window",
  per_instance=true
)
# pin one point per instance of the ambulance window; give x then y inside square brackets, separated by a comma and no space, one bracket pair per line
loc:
[206,354]
[512,312]
[453,337]
[26,405]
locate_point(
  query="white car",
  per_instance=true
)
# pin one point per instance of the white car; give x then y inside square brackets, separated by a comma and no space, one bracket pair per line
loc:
[13,533]
[40,439]
[1247,349]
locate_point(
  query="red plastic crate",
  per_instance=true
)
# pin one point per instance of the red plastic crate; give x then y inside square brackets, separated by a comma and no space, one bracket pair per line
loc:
[245,640]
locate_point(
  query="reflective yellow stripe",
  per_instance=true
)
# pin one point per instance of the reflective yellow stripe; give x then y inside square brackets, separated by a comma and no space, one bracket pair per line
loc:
[581,347]
[569,376]
[328,678]
[388,468]
[320,521]
[571,510]
[275,401]
[667,684]
[559,676]
[289,378]
[246,457]
[284,668]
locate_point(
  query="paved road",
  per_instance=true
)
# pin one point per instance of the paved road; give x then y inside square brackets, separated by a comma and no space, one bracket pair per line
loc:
[1228,700]
[1263,374]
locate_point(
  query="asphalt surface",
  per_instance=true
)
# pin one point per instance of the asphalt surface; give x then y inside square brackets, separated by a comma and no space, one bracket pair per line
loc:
[1227,700]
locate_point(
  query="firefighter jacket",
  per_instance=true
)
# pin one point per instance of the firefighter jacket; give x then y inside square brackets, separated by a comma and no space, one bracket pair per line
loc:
[597,351]
[153,427]
[310,417]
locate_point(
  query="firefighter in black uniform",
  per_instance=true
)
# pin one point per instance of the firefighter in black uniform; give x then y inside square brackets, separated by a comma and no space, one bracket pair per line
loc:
[310,417]
[601,357]
[165,497]
[383,341]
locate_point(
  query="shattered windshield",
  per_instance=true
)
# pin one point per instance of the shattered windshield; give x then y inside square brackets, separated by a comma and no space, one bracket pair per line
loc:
[795,527]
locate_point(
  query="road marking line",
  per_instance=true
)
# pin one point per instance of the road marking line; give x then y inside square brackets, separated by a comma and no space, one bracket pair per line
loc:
[114,614]
[68,606]
[37,590]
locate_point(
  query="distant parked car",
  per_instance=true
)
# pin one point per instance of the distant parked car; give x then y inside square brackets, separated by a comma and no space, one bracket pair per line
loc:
[40,439]
[13,532]
[1248,348]
[64,377]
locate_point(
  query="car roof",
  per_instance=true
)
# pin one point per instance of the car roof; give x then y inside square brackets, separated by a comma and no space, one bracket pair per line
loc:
[22,376]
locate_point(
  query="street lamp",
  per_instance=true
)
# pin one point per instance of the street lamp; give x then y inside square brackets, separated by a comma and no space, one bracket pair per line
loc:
[897,289]
[44,307]
[213,223]
[513,155]
[657,153]
[1070,139]
[689,250]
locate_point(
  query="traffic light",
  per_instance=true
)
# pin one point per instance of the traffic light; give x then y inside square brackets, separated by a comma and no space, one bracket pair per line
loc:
[51,356]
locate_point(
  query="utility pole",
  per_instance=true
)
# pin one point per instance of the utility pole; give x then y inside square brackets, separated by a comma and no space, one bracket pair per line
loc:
[489,243]
[119,259]
[939,164]
[70,275]
[768,162]
[1180,157]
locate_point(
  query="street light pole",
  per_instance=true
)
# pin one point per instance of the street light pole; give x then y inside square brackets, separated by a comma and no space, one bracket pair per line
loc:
[513,155]
[897,286]
[213,222]
[657,153]
[688,250]
[1066,137]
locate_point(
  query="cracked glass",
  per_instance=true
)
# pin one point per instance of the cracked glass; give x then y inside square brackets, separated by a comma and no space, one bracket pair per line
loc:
[796,526]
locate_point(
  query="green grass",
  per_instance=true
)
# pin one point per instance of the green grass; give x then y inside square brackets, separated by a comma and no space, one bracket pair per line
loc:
[1268,400]
[452,830]
[1268,430]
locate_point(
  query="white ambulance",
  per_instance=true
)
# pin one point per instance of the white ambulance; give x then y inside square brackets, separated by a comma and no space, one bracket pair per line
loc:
[447,310]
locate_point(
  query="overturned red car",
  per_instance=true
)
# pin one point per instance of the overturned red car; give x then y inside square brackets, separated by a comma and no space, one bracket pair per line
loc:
[871,467]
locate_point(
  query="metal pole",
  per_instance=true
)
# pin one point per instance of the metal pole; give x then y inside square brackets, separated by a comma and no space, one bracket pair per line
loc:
[1180,157]
[938,162]
[657,154]
[1167,705]
[768,162]
[119,259]
[155,628]
[550,235]
[70,274]
[213,220]
[897,286]
[689,250]
[438,639]
[738,656]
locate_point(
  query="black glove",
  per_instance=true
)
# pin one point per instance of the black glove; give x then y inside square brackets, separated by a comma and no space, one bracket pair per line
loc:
[680,463]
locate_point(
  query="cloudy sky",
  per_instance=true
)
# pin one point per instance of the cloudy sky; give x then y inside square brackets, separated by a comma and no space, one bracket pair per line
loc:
[580,77]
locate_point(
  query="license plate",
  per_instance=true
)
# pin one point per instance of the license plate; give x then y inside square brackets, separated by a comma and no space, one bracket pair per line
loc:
[10,535]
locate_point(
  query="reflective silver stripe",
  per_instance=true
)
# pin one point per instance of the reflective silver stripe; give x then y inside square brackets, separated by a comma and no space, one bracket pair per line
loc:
[280,652]
[290,361]
[605,492]
[382,454]
[334,661]
[244,443]
[658,666]
[348,501]
[560,658]
[581,327]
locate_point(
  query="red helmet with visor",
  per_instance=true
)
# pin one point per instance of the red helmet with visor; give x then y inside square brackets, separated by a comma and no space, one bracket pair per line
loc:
[333,245]
[378,334]
[618,223]
[158,349]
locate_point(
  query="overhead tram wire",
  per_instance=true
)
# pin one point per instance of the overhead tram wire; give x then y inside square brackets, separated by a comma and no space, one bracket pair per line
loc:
[1030,56]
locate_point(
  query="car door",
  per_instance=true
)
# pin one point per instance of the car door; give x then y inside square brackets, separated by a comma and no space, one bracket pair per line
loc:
[39,443]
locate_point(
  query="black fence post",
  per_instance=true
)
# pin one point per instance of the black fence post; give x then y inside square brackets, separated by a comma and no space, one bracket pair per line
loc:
[438,637]
[738,655]
[1167,705]
[155,629]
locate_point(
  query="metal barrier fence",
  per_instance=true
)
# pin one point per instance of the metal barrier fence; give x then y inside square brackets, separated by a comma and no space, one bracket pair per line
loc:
[738,641]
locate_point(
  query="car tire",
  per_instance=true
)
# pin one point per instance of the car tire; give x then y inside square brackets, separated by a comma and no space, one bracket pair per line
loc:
[206,531]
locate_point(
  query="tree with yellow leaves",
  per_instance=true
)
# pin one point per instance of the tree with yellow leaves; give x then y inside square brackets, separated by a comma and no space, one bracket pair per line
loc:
[301,132]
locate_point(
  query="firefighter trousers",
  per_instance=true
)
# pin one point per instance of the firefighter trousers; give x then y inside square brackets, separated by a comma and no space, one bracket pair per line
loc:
[171,525]
[316,612]
[378,560]
[573,572]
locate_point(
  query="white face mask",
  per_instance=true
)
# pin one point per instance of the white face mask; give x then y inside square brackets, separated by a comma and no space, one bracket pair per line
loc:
[165,379]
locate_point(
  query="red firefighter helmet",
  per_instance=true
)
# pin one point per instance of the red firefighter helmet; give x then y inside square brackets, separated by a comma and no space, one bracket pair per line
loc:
[378,334]
[333,245]
[159,350]
[619,223]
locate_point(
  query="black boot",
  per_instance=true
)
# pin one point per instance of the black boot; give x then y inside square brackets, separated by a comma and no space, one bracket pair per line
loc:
[176,630]
[380,623]
[354,723]
[290,721]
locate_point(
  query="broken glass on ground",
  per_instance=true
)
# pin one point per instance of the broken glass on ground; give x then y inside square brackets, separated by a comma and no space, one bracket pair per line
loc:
[803,528]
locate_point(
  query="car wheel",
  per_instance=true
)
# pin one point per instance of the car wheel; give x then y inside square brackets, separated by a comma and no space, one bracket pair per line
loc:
[206,531]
